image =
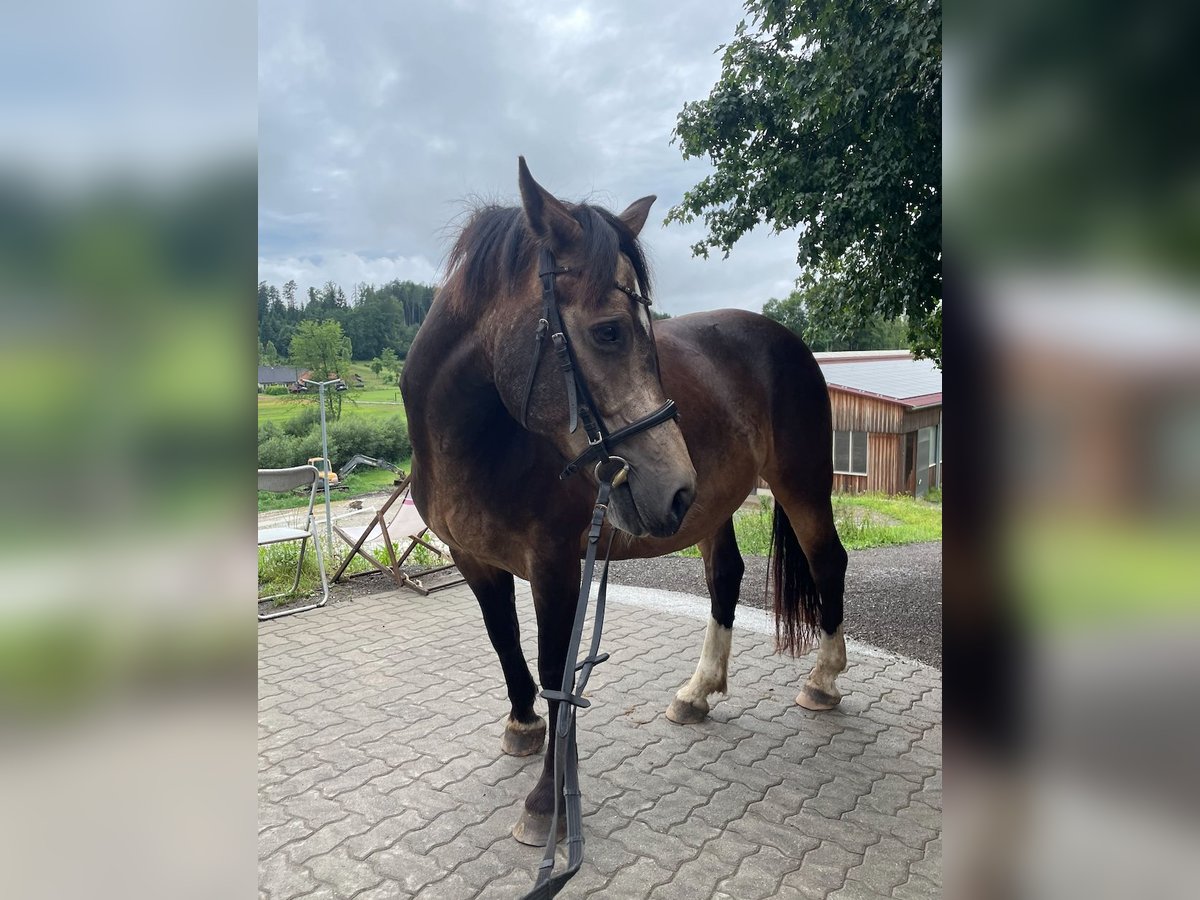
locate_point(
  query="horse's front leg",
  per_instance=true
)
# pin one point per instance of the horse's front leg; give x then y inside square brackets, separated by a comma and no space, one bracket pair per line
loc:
[555,593]
[723,570]
[525,730]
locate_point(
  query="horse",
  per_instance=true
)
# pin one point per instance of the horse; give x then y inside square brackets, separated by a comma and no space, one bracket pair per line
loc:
[492,425]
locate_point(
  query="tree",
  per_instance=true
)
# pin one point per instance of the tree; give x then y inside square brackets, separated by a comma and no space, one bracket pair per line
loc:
[270,355]
[322,349]
[289,293]
[390,361]
[377,366]
[806,312]
[827,119]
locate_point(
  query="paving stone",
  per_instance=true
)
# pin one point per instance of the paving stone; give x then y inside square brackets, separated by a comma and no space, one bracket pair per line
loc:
[918,887]
[885,865]
[274,839]
[326,839]
[695,878]
[822,871]
[284,879]
[856,890]
[381,776]
[636,880]
[383,834]
[759,876]
[345,875]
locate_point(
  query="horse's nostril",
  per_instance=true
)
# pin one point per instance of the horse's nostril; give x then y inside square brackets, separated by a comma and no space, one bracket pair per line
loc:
[681,504]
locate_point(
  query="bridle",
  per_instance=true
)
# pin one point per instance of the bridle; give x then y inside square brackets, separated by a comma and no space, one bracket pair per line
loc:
[580,405]
[611,472]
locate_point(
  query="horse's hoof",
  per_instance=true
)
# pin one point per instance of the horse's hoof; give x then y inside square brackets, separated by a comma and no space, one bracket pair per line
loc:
[523,738]
[534,828]
[816,699]
[681,712]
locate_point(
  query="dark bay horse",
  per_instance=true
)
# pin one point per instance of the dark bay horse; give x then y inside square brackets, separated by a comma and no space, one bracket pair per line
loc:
[751,400]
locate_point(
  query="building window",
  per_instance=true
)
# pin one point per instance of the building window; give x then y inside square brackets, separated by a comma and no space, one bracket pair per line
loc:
[850,452]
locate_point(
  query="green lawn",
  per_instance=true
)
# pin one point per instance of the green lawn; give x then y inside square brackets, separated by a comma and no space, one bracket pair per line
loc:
[378,397]
[863,521]
[280,409]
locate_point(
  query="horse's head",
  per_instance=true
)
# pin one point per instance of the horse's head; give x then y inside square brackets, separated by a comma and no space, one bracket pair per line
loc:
[597,292]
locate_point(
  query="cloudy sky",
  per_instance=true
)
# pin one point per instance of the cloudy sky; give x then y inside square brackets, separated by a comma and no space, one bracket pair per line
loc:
[380,121]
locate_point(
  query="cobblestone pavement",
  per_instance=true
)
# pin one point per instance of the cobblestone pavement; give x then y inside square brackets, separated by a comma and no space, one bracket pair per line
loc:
[380,773]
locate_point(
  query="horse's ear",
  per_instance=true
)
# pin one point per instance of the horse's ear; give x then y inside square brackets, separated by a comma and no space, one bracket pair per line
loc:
[635,216]
[546,214]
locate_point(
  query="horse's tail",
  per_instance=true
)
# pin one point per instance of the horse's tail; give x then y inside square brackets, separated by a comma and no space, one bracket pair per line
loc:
[797,600]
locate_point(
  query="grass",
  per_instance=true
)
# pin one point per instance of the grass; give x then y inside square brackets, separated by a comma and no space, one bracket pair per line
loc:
[277,566]
[863,521]
[873,520]
[280,409]
[379,396]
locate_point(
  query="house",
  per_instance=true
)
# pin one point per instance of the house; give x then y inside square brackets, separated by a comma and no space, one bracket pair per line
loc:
[887,421]
[268,375]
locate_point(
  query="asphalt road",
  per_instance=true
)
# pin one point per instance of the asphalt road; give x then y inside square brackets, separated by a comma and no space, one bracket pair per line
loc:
[893,594]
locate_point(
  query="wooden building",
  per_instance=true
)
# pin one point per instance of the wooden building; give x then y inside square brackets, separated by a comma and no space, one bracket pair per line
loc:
[887,421]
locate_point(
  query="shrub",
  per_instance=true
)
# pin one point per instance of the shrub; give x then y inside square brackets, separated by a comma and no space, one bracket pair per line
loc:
[394,444]
[293,446]
[267,430]
[350,436]
[302,422]
[276,389]
[277,452]
[282,451]
[307,447]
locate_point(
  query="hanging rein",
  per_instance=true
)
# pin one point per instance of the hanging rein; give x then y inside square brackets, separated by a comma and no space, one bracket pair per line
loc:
[611,471]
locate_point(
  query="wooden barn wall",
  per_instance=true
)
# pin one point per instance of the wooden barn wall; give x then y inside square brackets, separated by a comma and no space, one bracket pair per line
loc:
[921,418]
[854,412]
[888,426]
[850,484]
[884,458]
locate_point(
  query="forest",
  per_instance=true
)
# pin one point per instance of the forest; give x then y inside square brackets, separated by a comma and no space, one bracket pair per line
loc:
[375,319]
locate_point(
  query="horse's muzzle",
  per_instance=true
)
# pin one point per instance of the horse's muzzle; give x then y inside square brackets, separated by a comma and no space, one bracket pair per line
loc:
[672,520]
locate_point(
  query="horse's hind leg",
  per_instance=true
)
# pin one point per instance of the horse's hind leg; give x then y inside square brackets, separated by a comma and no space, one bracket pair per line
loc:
[525,730]
[723,570]
[811,519]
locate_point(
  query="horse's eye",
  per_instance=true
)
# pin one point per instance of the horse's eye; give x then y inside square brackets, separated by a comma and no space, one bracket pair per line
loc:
[608,333]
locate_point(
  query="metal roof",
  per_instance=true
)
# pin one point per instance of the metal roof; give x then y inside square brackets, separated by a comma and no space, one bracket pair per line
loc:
[277,374]
[893,376]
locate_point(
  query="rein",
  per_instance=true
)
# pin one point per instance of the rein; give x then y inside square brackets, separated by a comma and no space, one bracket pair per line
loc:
[611,471]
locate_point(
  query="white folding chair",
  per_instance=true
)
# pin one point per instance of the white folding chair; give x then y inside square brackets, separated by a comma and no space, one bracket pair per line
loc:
[282,481]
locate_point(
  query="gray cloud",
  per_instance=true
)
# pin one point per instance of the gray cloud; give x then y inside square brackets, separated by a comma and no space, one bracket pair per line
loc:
[380,122]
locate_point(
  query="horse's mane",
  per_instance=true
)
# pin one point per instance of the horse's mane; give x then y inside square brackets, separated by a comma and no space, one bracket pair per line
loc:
[496,248]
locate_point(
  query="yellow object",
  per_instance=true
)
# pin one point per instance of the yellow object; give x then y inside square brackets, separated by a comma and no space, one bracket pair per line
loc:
[323,466]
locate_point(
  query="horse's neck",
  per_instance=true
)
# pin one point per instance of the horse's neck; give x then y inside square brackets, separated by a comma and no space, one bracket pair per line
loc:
[461,413]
